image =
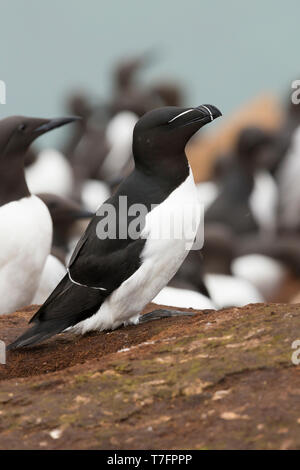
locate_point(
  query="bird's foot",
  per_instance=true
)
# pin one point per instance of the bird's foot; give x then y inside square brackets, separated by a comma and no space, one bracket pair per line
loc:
[162,313]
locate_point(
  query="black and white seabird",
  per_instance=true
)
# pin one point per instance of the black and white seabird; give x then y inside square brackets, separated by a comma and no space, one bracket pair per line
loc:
[109,281]
[26,227]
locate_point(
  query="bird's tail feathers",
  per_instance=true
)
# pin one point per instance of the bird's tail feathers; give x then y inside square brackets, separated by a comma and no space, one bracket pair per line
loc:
[39,332]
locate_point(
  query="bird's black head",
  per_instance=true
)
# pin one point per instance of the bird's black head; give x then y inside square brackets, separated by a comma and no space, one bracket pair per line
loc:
[18,132]
[161,135]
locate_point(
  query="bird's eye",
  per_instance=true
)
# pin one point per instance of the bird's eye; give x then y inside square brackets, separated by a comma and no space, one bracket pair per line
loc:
[22,127]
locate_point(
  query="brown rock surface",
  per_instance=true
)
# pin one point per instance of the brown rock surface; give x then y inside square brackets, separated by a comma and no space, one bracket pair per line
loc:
[217,380]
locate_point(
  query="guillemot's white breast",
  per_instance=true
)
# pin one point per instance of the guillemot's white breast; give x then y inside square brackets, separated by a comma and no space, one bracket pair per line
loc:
[160,259]
[25,239]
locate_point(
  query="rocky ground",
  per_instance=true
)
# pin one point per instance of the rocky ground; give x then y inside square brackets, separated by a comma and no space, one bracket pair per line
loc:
[217,380]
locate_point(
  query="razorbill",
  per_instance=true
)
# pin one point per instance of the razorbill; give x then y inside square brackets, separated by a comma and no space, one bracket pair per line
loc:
[111,279]
[26,227]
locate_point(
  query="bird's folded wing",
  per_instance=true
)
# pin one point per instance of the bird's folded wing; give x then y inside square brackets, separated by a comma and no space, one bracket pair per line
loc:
[107,270]
[104,263]
[70,303]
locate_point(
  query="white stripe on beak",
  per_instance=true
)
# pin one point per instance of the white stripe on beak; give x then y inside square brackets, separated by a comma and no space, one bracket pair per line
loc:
[210,113]
[181,114]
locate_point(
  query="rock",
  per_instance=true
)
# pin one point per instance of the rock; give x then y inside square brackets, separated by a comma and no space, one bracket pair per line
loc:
[217,380]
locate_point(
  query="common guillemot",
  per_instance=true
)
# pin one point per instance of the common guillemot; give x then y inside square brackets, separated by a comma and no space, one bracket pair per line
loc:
[26,227]
[111,280]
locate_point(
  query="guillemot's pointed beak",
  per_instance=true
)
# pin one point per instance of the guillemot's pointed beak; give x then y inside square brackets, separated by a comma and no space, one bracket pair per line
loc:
[55,123]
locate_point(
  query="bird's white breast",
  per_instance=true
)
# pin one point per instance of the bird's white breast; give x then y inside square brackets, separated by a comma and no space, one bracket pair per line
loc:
[25,240]
[160,259]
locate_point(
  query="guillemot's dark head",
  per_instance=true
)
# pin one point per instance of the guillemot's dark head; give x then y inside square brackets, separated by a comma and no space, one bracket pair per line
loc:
[16,135]
[164,132]
[18,132]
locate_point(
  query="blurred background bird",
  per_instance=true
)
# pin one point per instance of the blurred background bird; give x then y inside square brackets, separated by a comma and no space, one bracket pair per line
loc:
[246,168]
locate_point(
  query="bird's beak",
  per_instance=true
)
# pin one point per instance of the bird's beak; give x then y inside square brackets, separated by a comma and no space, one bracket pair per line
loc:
[55,123]
[200,115]
[212,111]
